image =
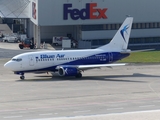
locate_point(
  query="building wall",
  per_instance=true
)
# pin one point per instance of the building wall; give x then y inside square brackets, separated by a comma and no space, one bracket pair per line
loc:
[29,28]
[50,12]
[50,31]
[106,34]
[47,32]
[49,15]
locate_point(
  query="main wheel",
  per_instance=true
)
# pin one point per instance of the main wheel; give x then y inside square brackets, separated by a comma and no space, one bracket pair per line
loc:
[21,46]
[22,77]
[79,75]
[31,46]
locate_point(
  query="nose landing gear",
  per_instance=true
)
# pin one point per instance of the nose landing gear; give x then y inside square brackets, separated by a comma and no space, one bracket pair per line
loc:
[22,77]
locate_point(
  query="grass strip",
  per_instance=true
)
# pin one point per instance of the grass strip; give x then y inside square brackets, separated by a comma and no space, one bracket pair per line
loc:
[143,57]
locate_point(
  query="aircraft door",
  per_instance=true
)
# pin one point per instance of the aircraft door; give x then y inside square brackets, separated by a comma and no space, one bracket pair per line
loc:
[110,57]
[21,63]
[31,60]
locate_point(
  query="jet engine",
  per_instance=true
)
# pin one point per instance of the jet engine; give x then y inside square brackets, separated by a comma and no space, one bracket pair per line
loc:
[67,71]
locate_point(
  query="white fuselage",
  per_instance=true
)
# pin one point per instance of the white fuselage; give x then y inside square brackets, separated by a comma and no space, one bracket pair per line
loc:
[72,62]
[44,59]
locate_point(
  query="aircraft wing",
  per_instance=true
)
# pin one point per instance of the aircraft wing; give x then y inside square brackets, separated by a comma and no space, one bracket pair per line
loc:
[82,67]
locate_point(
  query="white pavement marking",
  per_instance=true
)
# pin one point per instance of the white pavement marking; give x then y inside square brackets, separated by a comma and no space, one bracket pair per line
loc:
[154,91]
[115,108]
[156,101]
[81,111]
[19,112]
[23,112]
[147,106]
[138,115]
[46,114]
[9,117]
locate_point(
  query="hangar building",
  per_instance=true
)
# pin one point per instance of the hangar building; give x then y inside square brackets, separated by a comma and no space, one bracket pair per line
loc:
[92,22]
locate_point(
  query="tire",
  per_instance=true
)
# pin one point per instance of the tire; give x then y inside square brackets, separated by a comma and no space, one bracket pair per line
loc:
[22,77]
[21,46]
[31,46]
[79,75]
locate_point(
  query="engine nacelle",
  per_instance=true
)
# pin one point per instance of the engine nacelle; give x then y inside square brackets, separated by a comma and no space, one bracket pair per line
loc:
[67,71]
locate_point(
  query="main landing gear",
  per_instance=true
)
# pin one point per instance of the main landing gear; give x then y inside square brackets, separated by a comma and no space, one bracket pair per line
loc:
[22,77]
[79,75]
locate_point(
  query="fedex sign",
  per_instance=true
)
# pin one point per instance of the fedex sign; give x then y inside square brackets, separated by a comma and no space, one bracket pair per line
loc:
[90,12]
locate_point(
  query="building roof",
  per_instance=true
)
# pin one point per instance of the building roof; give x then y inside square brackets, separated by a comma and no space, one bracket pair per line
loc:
[14,8]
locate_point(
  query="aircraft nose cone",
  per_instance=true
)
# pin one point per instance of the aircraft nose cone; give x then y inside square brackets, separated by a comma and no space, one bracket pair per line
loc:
[7,65]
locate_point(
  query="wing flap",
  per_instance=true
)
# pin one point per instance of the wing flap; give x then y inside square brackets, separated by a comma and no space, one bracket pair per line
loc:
[99,65]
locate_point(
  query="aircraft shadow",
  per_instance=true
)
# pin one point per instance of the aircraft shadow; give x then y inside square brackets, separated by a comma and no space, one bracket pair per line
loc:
[98,78]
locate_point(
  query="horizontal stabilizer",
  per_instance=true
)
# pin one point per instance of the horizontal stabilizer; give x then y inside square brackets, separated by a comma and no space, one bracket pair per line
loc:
[129,51]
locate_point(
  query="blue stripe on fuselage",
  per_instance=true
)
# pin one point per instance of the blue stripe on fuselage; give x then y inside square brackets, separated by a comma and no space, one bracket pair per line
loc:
[102,58]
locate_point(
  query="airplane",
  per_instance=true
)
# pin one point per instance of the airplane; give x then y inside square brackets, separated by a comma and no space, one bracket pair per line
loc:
[73,62]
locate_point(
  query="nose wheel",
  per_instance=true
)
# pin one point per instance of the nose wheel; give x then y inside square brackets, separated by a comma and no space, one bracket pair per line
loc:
[22,77]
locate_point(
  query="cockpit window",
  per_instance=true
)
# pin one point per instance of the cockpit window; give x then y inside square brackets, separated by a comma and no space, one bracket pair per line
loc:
[17,60]
[13,59]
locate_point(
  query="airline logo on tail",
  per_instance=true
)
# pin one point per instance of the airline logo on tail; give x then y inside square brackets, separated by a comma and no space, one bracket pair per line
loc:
[123,31]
